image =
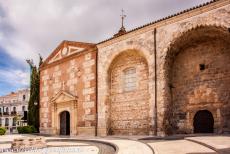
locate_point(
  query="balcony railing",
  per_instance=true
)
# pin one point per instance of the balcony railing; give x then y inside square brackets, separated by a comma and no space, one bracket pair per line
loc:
[6,113]
[13,113]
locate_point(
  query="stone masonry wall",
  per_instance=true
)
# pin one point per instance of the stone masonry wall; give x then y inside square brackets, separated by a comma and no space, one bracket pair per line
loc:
[168,34]
[105,58]
[142,40]
[195,89]
[129,110]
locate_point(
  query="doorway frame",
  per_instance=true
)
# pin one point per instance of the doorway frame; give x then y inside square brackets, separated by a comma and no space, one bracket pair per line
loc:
[64,101]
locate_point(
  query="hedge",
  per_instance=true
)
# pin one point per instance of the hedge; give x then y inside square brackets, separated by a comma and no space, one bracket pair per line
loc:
[2,131]
[26,129]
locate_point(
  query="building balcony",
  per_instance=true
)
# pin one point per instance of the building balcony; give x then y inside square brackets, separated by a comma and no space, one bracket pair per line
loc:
[13,113]
[6,113]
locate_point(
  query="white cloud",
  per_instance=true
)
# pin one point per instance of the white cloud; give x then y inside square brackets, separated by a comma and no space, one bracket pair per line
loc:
[38,26]
[15,77]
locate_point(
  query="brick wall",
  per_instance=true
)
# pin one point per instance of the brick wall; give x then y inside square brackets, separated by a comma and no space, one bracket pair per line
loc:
[129,110]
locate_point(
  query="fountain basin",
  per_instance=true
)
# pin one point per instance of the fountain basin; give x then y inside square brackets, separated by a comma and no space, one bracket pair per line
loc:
[28,143]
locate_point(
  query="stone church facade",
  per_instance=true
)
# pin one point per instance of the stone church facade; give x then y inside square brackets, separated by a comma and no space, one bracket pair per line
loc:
[68,87]
[169,76]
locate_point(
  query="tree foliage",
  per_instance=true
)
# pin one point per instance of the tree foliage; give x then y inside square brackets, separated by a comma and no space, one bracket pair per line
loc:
[33,107]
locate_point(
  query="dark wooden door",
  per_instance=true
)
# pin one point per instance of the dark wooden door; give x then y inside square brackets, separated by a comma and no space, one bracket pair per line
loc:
[65,123]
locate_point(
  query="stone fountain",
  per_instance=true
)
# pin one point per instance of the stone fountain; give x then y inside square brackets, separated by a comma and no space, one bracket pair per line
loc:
[27,143]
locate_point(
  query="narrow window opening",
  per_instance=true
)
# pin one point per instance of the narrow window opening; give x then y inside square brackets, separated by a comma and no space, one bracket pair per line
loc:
[24,97]
[202,67]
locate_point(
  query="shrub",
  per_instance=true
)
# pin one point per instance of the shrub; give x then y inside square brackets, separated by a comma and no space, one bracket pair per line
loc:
[33,129]
[2,131]
[19,130]
[26,129]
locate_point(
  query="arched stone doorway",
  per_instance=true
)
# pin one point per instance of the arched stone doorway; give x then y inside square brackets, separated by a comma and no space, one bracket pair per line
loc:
[128,95]
[197,76]
[64,114]
[64,123]
[203,122]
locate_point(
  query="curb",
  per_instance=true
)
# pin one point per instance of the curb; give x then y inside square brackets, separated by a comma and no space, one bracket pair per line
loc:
[148,146]
[115,147]
[134,140]
[203,144]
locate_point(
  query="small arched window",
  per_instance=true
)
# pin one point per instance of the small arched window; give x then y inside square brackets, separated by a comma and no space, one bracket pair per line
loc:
[14,121]
[7,110]
[23,108]
[130,79]
[24,97]
[7,122]
[14,109]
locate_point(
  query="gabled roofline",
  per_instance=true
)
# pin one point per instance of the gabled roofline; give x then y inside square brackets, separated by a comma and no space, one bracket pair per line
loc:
[165,19]
[65,42]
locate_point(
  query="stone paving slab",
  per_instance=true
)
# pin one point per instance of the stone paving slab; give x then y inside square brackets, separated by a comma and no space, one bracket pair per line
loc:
[220,143]
[130,146]
[179,147]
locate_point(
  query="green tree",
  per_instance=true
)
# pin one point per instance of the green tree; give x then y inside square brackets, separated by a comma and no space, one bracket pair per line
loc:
[33,106]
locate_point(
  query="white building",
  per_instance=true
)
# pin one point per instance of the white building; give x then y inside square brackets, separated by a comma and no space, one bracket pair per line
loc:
[13,109]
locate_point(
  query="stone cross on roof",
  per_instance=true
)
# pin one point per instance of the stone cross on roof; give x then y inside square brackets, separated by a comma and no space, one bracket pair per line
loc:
[122,17]
[122,29]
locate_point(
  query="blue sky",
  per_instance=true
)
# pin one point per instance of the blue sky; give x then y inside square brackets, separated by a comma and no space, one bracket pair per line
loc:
[30,27]
[13,74]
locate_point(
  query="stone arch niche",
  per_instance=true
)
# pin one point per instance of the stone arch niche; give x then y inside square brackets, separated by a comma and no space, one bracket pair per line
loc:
[197,70]
[128,109]
[203,122]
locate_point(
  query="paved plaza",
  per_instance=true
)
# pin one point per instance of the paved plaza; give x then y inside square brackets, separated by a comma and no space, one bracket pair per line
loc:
[212,144]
